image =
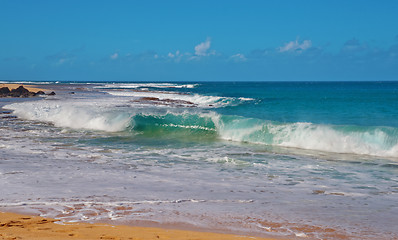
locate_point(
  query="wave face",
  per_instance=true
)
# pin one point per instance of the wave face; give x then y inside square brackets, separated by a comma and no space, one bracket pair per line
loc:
[197,124]
[378,141]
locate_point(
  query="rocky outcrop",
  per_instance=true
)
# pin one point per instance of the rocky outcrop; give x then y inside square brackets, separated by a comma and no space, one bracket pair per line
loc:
[19,92]
[169,102]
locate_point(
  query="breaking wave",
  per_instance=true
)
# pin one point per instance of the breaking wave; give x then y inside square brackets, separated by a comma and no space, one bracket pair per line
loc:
[376,141]
[187,100]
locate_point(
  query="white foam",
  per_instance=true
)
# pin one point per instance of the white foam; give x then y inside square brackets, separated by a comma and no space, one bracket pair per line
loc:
[310,137]
[325,138]
[72,114]
[147,85]
[197,99]
[188,127]
[27,82]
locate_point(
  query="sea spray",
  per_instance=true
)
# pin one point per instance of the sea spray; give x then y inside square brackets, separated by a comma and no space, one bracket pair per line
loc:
[377,141]
[72,115]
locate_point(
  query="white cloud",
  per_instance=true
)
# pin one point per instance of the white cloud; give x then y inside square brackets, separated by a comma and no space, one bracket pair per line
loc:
[114,56]
[61,58]
[353,45]
[202,48]
[296,46]
[238,58]
[177,56]
[62,61]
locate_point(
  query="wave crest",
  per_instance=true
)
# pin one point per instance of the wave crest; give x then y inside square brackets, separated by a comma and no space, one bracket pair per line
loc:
[377,141]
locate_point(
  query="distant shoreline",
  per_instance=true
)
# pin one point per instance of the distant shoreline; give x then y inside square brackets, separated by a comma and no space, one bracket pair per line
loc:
[43,82]
[31,88]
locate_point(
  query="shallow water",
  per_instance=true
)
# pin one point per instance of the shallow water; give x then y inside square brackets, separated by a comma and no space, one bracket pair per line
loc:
[281,158]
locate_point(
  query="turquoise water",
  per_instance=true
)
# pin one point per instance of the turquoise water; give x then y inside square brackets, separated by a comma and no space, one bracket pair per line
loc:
[338,103]
[305,115]
[282,158]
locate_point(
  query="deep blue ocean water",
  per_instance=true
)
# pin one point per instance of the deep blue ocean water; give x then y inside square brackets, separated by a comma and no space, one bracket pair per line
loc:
[292,159]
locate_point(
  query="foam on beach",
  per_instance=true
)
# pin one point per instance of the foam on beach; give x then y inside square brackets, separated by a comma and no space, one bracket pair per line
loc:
[14,226]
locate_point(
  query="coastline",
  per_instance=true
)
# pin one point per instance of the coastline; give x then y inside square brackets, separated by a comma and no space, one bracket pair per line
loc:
[31,88]
[18,226]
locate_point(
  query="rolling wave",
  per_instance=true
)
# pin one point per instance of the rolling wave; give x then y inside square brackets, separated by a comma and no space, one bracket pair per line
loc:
[376,141]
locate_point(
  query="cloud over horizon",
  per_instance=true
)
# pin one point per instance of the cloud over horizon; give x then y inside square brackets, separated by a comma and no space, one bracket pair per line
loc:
[202,48]
[295,46]
[304,59]
[114,56]
[61,58]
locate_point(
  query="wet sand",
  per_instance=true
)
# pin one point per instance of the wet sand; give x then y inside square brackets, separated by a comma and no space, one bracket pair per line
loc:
[17,226]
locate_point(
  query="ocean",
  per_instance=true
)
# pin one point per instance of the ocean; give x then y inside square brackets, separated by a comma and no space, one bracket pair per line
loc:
[313,160]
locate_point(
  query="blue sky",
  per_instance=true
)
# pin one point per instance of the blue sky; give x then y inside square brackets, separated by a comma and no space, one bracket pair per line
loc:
[199,40]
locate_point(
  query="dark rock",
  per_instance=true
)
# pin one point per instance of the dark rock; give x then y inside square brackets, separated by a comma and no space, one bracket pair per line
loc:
[20,89]
[51,94]
[157,101]
[4,90]
[8,117]
[21,92]
[177,101]
[149,99]
[18,92]
[318,192]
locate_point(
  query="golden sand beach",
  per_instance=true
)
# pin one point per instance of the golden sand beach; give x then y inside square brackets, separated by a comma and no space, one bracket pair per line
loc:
[31,88]
[17,226]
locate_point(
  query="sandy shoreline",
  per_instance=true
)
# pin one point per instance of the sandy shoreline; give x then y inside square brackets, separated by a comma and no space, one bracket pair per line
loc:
[17,226]
[31,88]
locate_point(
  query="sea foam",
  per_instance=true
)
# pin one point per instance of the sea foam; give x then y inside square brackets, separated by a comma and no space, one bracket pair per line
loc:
[72,115]
[377,141]
[189,100]
[146,85]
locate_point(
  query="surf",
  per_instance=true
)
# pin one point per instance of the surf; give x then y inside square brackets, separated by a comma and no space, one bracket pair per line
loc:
[191,124]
